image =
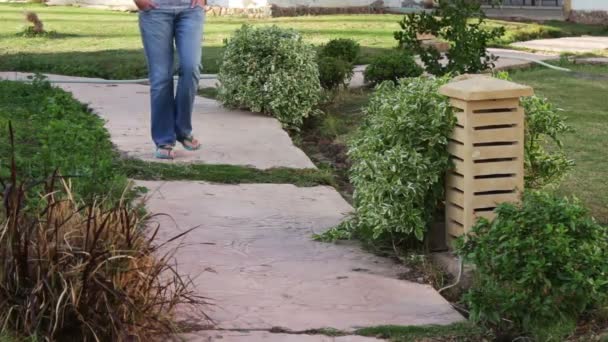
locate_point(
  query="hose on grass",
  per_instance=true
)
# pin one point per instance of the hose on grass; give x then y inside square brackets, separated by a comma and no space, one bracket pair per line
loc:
[550,66]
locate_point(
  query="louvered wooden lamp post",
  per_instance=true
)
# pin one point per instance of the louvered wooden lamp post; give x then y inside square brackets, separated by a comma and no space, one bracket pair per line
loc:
[487,149]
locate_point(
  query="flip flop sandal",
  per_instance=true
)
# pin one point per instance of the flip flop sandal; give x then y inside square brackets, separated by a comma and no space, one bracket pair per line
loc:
[165,152]
[190,143]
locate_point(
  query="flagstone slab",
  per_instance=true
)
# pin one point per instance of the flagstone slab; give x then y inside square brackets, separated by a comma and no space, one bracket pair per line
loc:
[567,44]
[253,254]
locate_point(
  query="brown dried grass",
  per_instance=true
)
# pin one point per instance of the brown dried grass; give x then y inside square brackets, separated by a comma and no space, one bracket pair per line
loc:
[70,271]
[37,25]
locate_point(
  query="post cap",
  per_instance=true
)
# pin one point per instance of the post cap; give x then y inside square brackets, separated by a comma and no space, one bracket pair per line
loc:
[481,87]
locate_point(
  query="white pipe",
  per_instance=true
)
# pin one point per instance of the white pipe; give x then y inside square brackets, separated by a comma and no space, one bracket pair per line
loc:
[521,58]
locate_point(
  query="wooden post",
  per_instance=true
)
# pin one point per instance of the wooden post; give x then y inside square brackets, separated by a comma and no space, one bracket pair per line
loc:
[486,148]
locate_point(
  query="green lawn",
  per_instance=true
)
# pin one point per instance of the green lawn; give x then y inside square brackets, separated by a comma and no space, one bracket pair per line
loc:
[106,44]
[583,99]
[54,131]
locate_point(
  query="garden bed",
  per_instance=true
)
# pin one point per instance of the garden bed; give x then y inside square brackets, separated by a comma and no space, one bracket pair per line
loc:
[581,97]
[325,138]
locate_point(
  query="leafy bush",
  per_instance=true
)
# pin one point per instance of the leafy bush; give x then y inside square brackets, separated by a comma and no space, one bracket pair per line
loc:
[460,22]
[334,72]
[270,70]
[399,158]
[539,264]
[52,130]
[391,67]
[344,49]
[545,160]
[544,126]
[83,272]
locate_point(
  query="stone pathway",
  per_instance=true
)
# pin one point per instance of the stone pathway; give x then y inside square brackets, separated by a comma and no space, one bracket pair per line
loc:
[567,44]
[255,257]
[228,136]
[253,253]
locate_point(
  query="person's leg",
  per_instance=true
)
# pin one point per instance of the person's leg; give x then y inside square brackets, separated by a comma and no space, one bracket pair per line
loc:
[188,34]
[157,31]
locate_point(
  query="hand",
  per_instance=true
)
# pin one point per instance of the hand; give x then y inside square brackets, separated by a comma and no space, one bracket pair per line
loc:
[144,5]
[195,3]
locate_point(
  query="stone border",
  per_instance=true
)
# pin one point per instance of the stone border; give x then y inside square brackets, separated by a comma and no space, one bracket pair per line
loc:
[255,12]
[375,8]
[589,17]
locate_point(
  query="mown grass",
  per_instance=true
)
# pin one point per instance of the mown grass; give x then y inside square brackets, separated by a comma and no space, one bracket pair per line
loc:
[582,96]
[461,331]
[96,43]
[54,131]
[225,174]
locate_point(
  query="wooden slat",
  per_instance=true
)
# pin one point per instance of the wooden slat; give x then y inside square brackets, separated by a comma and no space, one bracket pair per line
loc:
[494,168]
[494,152]
[494,184]
[456,149]
[492,104]
[460,118]
[458,134]
[487,201]
[454,229]
[455,197]
[458,165]
[455,181]
[493,119]
[455,213]
[496,135]
[462,105]
[489,215]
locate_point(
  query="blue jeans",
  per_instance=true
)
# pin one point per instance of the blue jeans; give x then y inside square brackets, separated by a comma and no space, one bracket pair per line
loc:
[160,29]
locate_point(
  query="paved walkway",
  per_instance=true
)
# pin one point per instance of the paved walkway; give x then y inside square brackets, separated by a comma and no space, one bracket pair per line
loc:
[253,253]
[229,136]
[567,44]
[257,261]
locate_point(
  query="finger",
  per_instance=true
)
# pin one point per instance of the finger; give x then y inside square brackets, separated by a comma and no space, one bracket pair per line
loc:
[153,4]
[192,3]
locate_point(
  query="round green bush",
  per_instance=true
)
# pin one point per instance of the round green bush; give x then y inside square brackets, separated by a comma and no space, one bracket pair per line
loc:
[399,158]
[270,70]
[344,49]
[334,72]
[539,264]
[391,67]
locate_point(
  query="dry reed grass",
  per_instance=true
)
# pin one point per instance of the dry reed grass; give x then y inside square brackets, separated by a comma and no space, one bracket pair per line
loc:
[72,271]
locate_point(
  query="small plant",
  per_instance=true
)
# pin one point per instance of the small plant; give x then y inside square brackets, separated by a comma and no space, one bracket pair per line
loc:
[545,161]
[36,29]
[270,70]
[391,67]
[399,159]
[461,23]
[334,72]
[345,49]
[32,18]
[75,271]
[539,266]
